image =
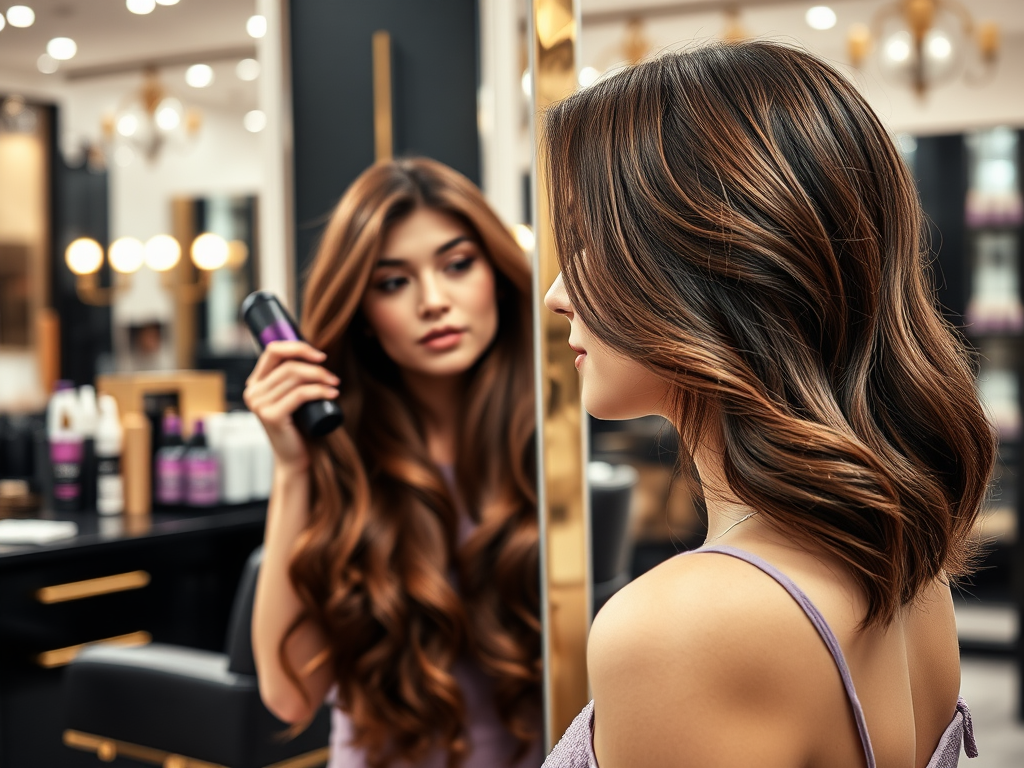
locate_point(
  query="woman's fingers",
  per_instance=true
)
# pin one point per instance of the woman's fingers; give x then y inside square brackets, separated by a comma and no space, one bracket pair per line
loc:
[280,351]
[295,373]
[277,410]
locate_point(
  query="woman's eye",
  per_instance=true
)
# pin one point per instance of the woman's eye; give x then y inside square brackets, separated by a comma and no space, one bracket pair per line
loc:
[391,284]
[461,265]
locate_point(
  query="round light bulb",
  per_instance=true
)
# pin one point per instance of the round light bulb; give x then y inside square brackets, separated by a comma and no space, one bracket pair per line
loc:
[939,47]
[166,2]
[238,252]
[256,26]
[141,7]
[127,125]
[199,75]
[62,48]
[2,22]
[820,17]
[247,69]
[126,254]
[523,234]
[209,251]
[527,84]
[21,16]
[47,64]
[588,76]
[897,49]
[254,121]
[162,253]
[168,114]
[84,256]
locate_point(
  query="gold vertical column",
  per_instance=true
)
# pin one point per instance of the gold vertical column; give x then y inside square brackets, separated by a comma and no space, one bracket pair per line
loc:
[383,131]
[562,491]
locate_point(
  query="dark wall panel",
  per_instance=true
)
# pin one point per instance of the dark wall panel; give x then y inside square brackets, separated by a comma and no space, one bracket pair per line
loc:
[434,84]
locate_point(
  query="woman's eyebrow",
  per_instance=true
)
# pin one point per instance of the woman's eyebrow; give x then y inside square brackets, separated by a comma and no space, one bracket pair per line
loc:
[392,262]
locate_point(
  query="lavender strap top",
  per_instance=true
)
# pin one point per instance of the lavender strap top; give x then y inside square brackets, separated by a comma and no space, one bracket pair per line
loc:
[576,747]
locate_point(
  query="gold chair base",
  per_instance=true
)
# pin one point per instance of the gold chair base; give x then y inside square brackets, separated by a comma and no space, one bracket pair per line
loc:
[109,749]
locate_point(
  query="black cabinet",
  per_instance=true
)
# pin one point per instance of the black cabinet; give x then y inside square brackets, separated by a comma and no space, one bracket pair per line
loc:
[169,579]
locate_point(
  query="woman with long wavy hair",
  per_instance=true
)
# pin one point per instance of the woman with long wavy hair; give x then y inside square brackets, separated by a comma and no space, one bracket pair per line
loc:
[400,572]
[741,252]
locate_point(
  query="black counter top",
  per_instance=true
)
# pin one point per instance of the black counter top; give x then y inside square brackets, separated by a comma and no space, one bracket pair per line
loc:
[101,533]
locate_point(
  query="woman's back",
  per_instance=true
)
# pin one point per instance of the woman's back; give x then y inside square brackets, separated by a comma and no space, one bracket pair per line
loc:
[744,678]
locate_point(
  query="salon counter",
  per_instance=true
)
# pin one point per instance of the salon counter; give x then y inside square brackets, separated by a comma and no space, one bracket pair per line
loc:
[169,577]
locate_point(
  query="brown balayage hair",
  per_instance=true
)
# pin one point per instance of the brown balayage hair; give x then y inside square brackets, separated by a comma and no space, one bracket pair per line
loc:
[737,218]
[373,567]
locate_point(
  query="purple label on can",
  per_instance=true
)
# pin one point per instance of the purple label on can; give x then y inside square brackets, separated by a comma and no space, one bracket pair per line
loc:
[65,451]
[279,330]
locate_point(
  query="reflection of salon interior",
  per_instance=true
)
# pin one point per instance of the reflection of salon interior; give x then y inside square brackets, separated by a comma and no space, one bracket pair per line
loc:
[162,159]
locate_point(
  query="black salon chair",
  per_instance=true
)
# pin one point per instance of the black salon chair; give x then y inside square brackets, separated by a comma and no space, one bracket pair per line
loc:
[185,708]
[611,495]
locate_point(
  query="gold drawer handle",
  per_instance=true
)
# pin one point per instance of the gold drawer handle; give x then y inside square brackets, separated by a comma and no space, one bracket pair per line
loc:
[105,585]
[61,656]
[108,749]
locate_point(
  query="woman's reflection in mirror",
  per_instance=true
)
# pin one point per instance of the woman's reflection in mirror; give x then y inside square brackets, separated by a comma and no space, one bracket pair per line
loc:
[400,576]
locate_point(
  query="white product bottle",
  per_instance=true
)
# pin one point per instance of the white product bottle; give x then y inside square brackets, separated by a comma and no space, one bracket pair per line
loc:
[109,439]
[262,459]
[237,462]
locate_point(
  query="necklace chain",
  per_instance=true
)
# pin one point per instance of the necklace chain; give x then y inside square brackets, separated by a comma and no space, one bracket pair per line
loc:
[745,517]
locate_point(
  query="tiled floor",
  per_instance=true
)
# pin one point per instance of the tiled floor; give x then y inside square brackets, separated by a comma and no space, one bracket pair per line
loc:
[990,687]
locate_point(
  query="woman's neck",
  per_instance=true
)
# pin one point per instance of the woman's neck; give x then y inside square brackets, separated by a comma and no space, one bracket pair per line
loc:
[438,401]
[724,508]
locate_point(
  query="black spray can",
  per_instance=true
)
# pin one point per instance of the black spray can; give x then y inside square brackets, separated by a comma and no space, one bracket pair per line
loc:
[269,321]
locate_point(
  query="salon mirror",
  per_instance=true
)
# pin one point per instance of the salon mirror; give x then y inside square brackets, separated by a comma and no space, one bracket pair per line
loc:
[153,120]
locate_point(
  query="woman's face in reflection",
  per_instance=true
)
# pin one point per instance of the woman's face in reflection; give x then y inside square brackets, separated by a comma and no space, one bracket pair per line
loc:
[431,301]
[613,386]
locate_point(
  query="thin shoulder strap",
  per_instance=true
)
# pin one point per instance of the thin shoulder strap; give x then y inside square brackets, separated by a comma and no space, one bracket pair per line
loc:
[819,624]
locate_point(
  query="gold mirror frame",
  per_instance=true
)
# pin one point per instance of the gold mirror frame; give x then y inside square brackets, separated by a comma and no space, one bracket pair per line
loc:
[553,27]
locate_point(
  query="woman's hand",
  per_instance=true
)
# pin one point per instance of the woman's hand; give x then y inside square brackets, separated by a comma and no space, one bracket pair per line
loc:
[287,375]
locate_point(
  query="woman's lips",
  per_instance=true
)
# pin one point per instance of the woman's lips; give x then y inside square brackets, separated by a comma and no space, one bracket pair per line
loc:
[446,339]
[580,354]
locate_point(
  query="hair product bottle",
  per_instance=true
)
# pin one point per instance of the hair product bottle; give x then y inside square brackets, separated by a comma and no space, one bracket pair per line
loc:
[269,321]
[237,452]
[65,451]
[202,475]
[109,442]
[169,463]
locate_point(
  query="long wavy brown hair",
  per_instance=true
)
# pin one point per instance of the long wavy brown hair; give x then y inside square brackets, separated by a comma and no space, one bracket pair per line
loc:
[736,217]
[374,567]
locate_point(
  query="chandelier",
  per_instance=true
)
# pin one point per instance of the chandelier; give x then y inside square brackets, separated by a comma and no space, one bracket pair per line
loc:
[924,43]
[148,119]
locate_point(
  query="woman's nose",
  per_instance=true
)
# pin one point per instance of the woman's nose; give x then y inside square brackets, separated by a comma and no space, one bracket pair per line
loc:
[433,299]
[556,299]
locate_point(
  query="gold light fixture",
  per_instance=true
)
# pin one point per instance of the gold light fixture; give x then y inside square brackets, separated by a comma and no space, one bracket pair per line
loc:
[924,43]
[161,253]
[148,119]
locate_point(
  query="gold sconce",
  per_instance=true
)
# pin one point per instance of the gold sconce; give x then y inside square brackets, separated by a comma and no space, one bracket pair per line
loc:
[923,43]
[161,253]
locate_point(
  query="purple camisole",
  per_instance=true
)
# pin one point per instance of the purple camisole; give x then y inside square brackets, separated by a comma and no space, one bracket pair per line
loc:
[576,748]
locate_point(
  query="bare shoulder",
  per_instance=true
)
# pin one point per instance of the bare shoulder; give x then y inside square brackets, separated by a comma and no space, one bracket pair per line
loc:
[702,650]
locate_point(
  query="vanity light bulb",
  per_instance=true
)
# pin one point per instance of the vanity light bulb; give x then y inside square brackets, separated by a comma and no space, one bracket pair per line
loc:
[162,253]
[140,7]
[21,16]
[256,26]
[523,234]
[84,256]
[126,255]
[209,251]
[247,69]
[62,48]
[255,121]
[199,75]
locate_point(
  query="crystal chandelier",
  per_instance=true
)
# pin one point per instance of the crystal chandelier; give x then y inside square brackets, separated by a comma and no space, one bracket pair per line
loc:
[148,119]
[924,43]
